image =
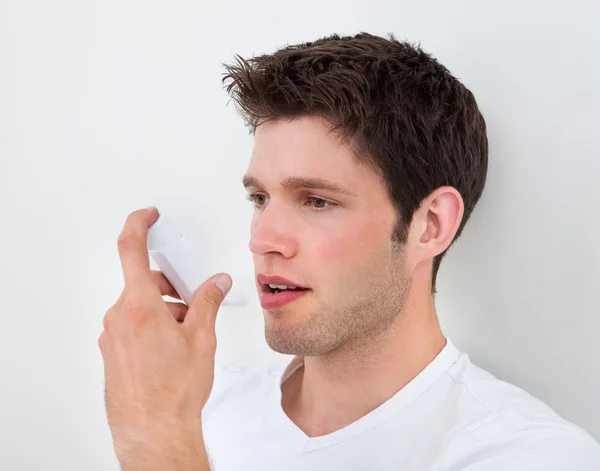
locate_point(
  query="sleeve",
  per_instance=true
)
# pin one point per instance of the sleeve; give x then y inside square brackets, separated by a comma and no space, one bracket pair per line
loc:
[517,442]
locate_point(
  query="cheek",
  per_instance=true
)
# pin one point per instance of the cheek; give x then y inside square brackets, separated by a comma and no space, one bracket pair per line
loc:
[351,247]
[350,265]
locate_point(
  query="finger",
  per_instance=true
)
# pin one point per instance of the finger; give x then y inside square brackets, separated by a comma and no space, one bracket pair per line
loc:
[133,250]
[102,341]
[164,285]
[207,301]
[178,311]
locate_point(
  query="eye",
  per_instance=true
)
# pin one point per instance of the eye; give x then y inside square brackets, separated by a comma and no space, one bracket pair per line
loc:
[318,201]
[319,204]
[255,198]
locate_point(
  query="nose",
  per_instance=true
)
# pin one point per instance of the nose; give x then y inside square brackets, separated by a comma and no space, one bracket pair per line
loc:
[272,232]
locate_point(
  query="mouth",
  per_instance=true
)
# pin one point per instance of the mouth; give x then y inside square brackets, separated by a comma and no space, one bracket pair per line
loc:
[274,284]
[277,296]
[276,289]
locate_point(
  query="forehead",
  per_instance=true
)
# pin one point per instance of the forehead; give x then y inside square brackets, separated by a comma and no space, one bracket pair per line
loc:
[305,147]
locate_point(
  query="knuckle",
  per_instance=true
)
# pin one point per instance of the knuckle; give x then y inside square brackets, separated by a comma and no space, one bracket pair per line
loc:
[109,319]
[126,240]
[102,341]
[134,311]
[210,299]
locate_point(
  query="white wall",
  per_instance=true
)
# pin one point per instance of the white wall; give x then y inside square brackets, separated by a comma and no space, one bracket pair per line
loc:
[109,106]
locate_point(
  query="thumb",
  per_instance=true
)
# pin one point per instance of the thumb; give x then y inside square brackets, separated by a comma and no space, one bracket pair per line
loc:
[207,300]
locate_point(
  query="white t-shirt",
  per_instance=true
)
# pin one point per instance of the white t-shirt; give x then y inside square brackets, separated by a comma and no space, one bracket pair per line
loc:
[452,416]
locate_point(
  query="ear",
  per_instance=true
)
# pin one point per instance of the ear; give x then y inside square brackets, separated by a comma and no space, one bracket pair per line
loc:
[434,224]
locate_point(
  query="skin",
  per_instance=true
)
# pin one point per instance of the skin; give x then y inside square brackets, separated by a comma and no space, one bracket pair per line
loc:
[369,318]
[158,361]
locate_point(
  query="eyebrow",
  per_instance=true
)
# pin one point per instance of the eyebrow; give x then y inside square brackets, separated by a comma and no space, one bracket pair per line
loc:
[294,183]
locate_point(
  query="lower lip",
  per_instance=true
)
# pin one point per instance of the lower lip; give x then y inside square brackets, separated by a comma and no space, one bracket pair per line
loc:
[270,300]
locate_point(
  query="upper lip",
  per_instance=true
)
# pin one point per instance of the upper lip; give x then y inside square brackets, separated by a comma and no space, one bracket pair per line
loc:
[265,280]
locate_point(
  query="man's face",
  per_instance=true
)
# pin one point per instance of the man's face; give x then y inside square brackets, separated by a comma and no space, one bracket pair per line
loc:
[340,246]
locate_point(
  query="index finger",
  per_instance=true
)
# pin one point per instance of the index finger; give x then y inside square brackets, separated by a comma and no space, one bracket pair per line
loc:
[133,250]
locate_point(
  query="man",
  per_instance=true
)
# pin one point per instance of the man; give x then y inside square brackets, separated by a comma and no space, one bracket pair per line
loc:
[369,158]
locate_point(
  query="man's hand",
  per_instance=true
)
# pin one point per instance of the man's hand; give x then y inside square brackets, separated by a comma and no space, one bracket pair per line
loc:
[158,361]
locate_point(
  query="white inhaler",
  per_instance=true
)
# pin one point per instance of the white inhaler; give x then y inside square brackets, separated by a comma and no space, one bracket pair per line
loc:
[182,266]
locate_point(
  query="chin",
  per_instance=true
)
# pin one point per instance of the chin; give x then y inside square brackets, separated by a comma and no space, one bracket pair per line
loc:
[285,339]
[281,340]
[290,341]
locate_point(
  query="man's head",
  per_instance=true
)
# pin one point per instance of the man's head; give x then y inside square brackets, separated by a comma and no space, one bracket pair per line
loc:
[394,128]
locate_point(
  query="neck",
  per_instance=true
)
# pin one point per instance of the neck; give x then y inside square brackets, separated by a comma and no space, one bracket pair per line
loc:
[332,391]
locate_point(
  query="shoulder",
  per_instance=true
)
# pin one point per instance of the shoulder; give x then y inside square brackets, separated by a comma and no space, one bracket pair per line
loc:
[504,427]
[512,439]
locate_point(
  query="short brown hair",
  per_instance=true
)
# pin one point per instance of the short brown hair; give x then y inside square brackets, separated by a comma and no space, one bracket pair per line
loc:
[402,112]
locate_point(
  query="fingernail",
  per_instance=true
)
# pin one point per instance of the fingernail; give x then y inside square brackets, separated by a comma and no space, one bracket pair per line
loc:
[224,283]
